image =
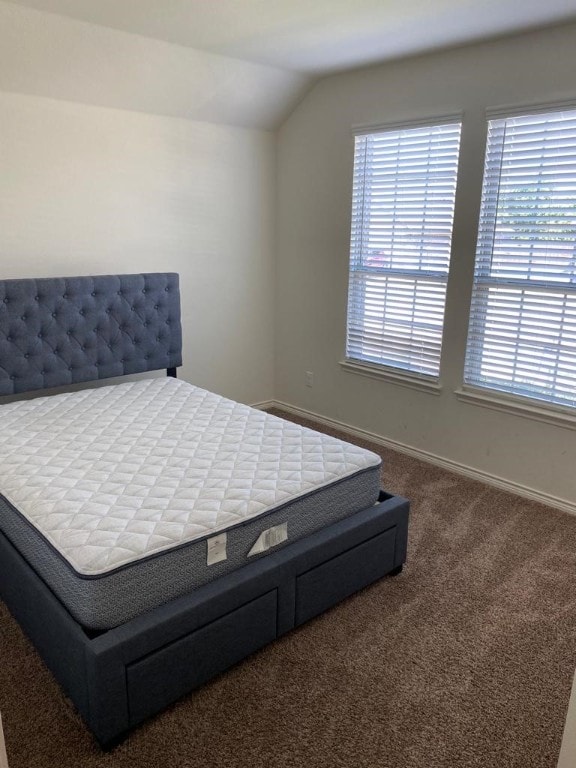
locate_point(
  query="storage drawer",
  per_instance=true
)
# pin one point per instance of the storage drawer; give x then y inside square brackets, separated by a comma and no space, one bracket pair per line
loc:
[164,676]
[327,584]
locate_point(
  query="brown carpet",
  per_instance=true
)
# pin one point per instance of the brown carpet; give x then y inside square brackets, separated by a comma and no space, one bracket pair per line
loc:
[466,659]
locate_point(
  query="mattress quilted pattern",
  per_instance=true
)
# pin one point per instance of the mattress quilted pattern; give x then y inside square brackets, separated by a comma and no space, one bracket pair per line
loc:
[113,475]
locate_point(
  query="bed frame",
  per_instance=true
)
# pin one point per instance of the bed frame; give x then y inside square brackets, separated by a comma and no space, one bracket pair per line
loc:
[57,332]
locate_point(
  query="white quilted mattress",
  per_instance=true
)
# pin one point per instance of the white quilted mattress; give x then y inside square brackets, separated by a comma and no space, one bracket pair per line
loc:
[118,474]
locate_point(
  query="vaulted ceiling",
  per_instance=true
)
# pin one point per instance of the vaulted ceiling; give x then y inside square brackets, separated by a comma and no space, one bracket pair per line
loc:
[314,36]
[235,62]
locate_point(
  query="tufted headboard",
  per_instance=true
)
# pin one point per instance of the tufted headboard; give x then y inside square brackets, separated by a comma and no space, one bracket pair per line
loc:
[56,331]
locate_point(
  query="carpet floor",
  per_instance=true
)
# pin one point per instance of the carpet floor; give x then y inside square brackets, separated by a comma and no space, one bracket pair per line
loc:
[465,659]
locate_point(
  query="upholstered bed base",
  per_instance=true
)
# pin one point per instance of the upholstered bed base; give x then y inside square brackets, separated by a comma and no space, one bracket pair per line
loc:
[61,331]
[119,678]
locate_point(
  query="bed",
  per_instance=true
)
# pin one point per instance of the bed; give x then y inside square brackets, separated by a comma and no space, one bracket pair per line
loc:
[153,534]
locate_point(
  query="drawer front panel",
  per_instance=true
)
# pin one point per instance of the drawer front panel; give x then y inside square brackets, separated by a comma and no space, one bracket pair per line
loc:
[161,678]
[324,586]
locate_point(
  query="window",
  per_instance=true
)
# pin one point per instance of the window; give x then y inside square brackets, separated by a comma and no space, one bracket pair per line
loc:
[522,333]
[402,214]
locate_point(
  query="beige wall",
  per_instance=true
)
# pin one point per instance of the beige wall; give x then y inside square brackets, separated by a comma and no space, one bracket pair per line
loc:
[315,155]
[90,190]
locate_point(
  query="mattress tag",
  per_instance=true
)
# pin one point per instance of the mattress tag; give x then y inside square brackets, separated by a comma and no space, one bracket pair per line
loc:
[271,537]
[216,549]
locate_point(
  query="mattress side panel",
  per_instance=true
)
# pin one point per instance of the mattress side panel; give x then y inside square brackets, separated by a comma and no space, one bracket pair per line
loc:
[114,598]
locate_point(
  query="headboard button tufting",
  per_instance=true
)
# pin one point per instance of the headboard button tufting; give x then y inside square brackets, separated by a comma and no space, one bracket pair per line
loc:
[122,334]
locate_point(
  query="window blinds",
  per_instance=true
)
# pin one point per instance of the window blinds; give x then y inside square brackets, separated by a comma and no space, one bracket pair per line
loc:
[522,333]
[402,213]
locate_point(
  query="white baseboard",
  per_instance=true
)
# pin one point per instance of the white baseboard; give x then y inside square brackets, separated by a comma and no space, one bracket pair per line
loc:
[264,405]
[432,458]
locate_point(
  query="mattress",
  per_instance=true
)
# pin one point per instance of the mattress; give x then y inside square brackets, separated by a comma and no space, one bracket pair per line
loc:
[127,496]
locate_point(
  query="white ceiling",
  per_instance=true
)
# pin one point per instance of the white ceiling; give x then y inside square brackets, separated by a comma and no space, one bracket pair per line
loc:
[314,36]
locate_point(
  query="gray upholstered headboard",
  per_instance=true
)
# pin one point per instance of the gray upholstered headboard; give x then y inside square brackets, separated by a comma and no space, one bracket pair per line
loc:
[57,331]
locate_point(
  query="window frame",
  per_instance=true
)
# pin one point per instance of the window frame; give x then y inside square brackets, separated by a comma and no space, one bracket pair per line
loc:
[381,370]
[486,395]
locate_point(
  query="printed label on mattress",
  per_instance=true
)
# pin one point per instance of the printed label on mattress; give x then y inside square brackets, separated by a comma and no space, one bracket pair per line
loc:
[216,549]
[270,538]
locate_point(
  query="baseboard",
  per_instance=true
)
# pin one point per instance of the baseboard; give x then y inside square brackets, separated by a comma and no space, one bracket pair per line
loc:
[432,458]
[265,405]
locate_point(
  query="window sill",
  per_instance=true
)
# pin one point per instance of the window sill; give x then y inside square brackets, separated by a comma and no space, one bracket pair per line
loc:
[392,376]
[548,415]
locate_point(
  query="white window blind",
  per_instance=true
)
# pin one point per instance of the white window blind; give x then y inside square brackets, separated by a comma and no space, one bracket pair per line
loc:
[402,215]
[522,333]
